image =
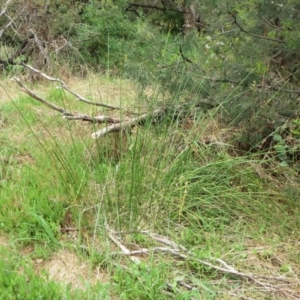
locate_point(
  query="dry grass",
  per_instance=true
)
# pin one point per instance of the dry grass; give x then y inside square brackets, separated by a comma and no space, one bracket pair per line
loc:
[98,88]
[66,267]
[8,90]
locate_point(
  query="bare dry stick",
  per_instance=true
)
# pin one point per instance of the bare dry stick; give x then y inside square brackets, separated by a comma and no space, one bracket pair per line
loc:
[98,119]
[11,20]
[226,268]
[64,86]
[40,99]
[124,249]
[127,252]
[126,124]
[67,114]
[177,250]
[5,8]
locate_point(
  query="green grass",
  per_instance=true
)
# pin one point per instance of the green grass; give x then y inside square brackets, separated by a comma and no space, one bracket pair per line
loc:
[60,190]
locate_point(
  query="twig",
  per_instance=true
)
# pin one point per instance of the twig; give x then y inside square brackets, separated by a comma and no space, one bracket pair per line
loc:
[252,34]
[98,119]
[39,44]
[3,11]
[124,249]
[147,251]
[183,56]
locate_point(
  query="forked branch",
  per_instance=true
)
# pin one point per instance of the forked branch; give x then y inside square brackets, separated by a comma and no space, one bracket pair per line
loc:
[115,124]
[66,113]
[266,283]
[65,87]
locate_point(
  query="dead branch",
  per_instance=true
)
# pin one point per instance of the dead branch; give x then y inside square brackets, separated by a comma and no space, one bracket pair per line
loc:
[3,11]
[41,46]
[126,124]
[124,249]
[5,27]
[67,114]
[177,250]
[40,99]
[98,119]
[127,252]
[117,124]
[65,87]
[183,56]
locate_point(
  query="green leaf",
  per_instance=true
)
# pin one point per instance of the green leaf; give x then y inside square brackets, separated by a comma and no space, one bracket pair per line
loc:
[295,131]
[46,227]
[285,268]
[277,137]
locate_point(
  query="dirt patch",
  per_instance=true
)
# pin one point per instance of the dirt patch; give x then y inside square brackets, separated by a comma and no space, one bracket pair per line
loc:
[66,267]
[25,158]
[3,242]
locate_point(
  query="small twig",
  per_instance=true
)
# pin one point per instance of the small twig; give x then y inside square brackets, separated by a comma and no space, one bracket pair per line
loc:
[147,251]
[39,44]
[3,11]
[68,229]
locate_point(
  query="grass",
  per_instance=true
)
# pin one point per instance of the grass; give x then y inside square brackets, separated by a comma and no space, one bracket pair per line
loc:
[61,191]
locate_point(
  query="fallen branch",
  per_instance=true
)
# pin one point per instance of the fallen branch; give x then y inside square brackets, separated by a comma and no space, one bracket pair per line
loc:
[126,124]
[124,249]
[115,124]
[65,87]
[40,99]
[67,114]
[181,252]
[127,252]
